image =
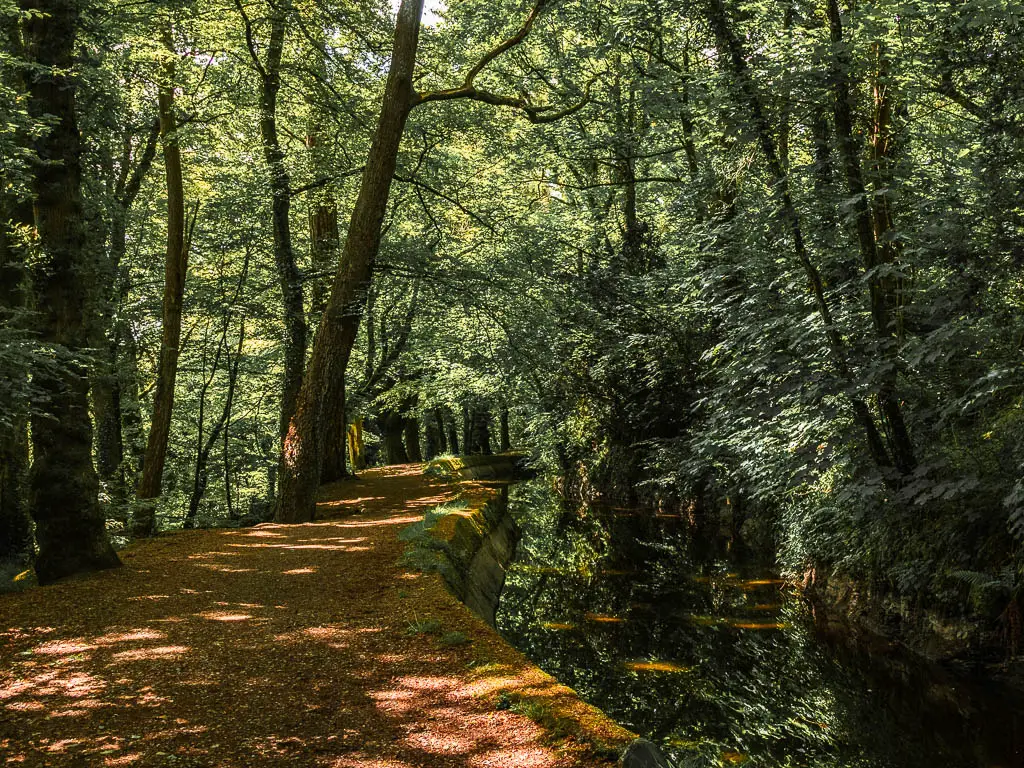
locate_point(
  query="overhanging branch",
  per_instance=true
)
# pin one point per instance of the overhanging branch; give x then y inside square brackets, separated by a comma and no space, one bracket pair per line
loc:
[468,90]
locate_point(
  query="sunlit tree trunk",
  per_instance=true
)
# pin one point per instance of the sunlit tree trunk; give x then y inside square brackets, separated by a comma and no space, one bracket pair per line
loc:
[356,449]
[175,268]
[64,489]
[303,447]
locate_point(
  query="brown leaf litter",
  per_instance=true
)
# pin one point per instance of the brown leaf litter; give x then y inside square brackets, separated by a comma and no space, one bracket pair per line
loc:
[279,646]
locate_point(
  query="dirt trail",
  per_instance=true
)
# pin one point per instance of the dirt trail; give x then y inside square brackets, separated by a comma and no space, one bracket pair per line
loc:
[267,646]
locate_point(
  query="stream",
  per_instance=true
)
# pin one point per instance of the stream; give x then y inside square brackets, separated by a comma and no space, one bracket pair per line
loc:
[718,660]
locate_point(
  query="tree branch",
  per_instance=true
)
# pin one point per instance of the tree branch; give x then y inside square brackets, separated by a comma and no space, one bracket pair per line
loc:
[541,114]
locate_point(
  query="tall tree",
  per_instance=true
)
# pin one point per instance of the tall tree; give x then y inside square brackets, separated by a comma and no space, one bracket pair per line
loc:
[64,489]
[175,269]
[336,335]
[289,279]
[332,346]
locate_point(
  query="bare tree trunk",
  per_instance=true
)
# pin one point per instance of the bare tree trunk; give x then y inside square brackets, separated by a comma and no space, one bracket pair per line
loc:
[64,489]
[303,447]
[175,267]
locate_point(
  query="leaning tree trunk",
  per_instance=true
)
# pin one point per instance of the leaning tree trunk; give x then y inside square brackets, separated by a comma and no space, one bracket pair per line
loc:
[175,267]
[64,489]
[302,458]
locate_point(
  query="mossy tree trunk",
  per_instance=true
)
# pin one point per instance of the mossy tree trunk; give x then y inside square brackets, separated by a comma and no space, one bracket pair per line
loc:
[64,488]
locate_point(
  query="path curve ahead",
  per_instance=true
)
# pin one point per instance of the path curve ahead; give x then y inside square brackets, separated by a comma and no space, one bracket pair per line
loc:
[270,646]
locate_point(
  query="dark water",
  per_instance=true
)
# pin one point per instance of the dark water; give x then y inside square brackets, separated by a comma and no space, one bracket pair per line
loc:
[720,662]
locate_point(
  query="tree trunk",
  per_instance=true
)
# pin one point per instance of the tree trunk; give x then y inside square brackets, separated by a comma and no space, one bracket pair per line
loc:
[412,439]
[288,275]
[64,489]
[482,432]
[393,428]
[356,449]
[109,335]
[332,347]
[468,443]
[433,434]
[448,422]
[15,526]
[16,220]
[201,475]
[442,438]
[335,434]
[506,442]
[175,267]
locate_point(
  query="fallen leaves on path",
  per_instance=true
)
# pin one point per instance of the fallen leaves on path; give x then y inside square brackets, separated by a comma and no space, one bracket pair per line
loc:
[273,646]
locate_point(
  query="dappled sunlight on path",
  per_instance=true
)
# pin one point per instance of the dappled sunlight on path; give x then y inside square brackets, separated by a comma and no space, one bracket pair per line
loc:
[274,645]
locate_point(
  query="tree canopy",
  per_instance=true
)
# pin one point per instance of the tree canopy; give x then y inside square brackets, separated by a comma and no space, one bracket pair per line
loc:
[719,255]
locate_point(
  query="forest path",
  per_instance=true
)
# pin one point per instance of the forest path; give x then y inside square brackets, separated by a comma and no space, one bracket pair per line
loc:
[268,646]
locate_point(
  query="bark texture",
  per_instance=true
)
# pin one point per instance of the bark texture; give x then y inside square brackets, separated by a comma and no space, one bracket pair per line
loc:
[64,489]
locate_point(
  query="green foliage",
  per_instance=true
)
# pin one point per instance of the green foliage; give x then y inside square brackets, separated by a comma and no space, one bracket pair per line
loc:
[424,627]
